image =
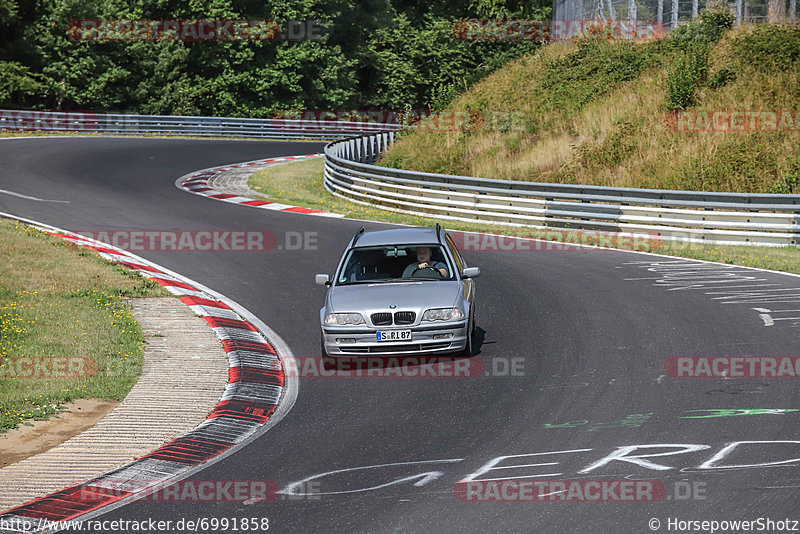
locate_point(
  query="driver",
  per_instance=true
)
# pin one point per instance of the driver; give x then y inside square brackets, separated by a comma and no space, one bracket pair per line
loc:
[424,262]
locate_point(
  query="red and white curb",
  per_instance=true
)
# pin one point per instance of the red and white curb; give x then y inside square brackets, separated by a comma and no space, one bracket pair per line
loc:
[257,396]
[197,182]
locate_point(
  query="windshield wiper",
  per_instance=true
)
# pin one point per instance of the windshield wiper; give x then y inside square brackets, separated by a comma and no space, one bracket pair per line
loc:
[401,280]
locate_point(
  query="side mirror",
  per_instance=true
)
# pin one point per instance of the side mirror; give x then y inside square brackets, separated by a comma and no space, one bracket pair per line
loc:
[471,272]
[322,280]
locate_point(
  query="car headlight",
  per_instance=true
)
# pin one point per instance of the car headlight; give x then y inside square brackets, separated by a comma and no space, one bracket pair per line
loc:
[344,318]
[442,314]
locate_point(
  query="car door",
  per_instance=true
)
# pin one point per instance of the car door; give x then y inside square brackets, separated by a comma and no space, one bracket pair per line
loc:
[468,285]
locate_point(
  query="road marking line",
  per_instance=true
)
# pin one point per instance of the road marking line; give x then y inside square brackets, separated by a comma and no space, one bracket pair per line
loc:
[26,197]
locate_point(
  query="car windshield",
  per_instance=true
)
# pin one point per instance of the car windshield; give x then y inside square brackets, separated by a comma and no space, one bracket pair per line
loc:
[396,263]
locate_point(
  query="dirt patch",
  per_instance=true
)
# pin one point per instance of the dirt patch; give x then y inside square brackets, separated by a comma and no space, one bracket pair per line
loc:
[16,445]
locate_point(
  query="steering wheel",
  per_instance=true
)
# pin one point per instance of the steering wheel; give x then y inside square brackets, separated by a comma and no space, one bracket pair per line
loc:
[431,267]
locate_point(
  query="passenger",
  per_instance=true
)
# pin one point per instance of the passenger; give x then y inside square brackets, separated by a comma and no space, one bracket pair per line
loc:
[424,262]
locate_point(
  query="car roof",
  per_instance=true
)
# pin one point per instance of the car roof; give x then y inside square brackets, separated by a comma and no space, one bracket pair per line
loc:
[397,236]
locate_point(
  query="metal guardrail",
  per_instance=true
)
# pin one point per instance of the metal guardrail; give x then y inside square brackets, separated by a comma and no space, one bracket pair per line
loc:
[691,216]
[123,124]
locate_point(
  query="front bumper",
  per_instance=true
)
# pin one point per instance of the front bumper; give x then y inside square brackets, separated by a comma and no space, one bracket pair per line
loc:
[442,338]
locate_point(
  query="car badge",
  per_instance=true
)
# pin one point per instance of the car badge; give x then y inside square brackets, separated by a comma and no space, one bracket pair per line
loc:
[393,306]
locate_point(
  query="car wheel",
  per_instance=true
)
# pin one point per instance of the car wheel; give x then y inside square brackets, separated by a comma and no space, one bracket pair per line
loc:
[469,348]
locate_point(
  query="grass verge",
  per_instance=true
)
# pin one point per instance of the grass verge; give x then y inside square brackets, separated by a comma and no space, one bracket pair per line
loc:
[65,330]
[600,112]
[300,183]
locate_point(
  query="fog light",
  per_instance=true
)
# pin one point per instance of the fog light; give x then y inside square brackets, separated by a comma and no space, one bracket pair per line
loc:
[443,336]
[345,340]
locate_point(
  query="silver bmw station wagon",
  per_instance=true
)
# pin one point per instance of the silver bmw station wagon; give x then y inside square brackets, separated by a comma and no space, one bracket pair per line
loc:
[404,290]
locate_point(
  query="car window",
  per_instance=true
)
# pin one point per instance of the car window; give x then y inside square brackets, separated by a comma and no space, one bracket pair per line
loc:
[460,264]
[395,263]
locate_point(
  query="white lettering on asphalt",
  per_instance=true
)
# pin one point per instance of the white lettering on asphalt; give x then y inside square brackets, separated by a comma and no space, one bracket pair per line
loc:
[621,454]
[722,454]
[421,478]
[489,466]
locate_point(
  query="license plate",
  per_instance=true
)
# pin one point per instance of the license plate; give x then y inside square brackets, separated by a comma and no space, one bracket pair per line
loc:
[395,335]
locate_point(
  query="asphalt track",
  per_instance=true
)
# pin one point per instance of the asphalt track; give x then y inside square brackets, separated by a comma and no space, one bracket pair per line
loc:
[590,331]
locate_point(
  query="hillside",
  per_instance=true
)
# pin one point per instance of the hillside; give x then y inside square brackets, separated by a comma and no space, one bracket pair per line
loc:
[598,112]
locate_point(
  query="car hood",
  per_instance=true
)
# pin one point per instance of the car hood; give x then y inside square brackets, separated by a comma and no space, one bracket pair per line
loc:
[403,295]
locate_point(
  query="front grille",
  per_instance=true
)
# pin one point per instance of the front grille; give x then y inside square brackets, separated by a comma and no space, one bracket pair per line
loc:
[354,349]
[410,347]
[415,347]
[404,317]
[381,319]
[394,348]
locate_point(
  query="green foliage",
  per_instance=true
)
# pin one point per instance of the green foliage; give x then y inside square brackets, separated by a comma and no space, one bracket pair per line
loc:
[16,83]
[736,164]
[689,70]
[789,182]
[426,65]
[595,68]
[769,47]
[511,121]
[509,9]
[722,77]
[393,54]
[708,27]
[513,142]
[442,95]
[617,146]
[8,12]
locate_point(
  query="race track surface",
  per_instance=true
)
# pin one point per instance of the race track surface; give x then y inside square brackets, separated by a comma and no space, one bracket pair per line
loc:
[588,333]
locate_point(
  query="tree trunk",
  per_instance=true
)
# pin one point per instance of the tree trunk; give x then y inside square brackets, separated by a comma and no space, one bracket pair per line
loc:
[776,11]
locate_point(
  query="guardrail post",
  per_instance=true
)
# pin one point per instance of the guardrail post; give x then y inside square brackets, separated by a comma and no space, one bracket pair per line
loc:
[371,149]
[675,13]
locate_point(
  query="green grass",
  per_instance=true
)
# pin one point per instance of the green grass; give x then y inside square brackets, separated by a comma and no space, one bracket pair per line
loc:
[22,134]
[300,183]
[58,300]
[596,112]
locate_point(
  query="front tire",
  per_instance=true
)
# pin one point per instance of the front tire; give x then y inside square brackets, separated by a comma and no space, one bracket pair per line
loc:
[469,348]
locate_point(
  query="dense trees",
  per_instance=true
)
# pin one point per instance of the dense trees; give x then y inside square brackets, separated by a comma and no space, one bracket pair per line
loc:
[393,54]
